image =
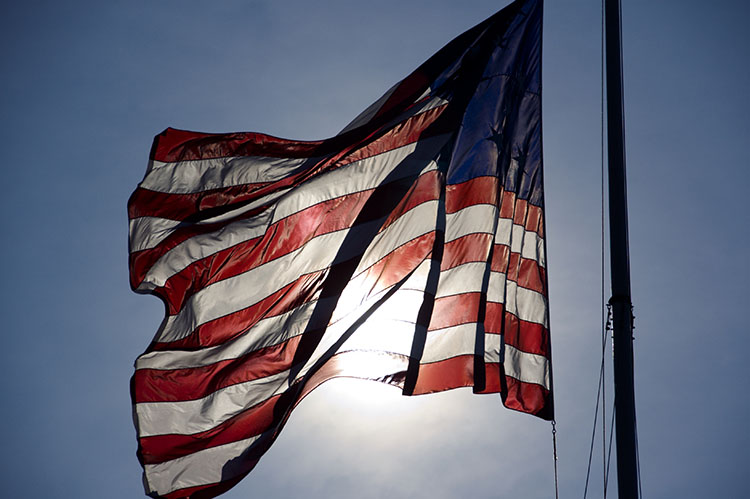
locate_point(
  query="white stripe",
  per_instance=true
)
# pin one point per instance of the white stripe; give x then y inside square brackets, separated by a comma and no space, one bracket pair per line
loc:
[470,220]
[527,367]
[493,347]
[466,278]
[200,468]
[526,304]
[186,177]
[194,416]
[529,305]
[496,290]
[442,344]
[148,232]
[241,291]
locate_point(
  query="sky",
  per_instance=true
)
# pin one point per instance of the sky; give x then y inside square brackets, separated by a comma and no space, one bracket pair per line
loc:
[86,85]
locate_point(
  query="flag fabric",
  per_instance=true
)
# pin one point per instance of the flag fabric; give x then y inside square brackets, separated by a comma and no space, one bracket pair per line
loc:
[408,249]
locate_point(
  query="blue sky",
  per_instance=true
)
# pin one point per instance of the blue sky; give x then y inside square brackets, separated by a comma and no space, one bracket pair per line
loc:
[86,86]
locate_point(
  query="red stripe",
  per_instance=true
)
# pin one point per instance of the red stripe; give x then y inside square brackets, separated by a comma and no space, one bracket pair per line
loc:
[455,310]
[507,204]
[469,248]
[493,318]
[148,203]
[528,397]
[445,375]
[491,378]
[211,490]
[480,190]
[527,273]
[535,219]
[182,145]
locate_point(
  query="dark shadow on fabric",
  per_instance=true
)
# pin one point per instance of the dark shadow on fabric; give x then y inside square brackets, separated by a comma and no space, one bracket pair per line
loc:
[381,203]
[428,304]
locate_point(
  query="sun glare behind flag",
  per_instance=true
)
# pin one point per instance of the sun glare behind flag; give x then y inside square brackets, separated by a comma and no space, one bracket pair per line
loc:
[408,249]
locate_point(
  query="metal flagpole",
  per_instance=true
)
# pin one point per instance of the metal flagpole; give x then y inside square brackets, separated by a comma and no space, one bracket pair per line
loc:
[625,427]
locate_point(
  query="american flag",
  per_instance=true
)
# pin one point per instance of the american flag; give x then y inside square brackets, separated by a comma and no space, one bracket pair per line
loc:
[408,249]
